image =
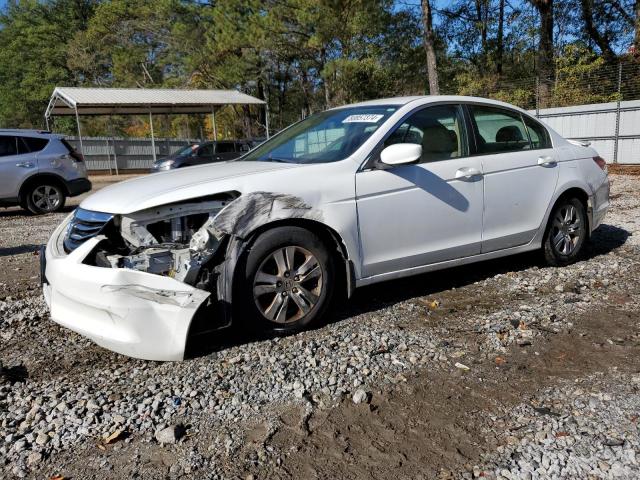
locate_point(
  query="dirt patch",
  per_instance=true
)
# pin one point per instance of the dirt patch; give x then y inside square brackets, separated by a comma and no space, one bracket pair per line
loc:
[633,170]
[436,424]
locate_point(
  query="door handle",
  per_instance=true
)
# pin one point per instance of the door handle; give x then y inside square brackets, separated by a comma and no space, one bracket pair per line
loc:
[547,161]
[25,164]
[467,173]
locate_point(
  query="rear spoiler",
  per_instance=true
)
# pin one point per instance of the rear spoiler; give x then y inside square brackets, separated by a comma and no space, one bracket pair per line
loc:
[579,143]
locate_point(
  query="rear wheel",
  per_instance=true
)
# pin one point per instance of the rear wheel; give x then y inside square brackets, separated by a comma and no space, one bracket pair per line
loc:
[288,280]
[45,198]
[566,233]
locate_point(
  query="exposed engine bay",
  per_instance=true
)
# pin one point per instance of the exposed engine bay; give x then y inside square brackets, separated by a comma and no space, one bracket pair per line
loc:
[172,240]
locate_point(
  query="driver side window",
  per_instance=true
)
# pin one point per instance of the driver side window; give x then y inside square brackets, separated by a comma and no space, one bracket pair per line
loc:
[438,129]
[206,150]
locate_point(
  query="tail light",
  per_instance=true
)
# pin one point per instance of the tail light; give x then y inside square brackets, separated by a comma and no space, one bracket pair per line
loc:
[73,153]
[76,156]
[601,162]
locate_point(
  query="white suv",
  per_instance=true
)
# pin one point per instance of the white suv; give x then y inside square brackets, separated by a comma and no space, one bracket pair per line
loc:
[345,198]
[39,170]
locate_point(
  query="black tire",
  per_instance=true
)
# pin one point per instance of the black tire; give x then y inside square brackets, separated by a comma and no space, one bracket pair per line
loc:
[261,258]
[45,197]
[565,237]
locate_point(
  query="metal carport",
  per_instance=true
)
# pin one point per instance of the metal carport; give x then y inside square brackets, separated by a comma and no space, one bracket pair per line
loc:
[77,101]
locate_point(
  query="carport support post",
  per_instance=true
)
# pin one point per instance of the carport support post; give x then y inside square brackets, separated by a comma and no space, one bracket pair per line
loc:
[113,141]
[79,132]
[213,122]
[266,118]
[153,140]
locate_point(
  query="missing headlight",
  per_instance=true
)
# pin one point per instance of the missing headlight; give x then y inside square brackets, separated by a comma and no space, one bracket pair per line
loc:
[173,240]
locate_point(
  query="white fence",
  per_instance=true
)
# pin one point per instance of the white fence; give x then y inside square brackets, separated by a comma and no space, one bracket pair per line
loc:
[116,154]
[612,128]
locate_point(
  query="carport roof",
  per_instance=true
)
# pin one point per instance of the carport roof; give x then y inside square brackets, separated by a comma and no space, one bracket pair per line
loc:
[131,101]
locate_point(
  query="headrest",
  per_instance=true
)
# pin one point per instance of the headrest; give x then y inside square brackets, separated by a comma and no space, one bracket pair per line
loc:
[509,133]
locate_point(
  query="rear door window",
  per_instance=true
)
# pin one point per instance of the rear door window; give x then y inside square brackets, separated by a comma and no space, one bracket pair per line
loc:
[8,146]
[22,146]
[35,144]
[539,135]
[499,130]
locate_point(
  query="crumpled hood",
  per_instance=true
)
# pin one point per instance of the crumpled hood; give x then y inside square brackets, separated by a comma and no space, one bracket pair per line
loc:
[176,185]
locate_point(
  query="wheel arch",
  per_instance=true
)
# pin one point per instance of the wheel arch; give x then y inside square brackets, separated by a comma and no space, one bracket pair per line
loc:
[39,178]
[330,237]
[574,192]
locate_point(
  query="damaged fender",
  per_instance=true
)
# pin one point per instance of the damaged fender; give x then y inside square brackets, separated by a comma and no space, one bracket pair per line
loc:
[243,216]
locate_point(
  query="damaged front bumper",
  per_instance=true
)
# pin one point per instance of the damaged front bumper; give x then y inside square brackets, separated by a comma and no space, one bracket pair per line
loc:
[135,313]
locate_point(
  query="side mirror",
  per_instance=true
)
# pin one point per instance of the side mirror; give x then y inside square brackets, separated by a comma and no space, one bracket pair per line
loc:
[401,153]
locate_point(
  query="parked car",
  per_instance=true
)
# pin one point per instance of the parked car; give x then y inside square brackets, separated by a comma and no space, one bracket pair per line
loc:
[345,198]
[39,170]
[201,153]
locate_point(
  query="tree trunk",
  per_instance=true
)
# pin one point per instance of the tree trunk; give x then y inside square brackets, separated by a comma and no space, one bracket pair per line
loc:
[325,80]
[429,47]
[545,60]
[594,34]
[500,40]
[304,85]
[482,10]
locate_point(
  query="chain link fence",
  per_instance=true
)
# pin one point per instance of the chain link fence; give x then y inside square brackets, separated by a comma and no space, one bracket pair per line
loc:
[599,104]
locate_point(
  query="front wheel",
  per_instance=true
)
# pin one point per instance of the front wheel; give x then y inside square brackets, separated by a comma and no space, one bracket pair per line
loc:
[288,280]
[566,233]
[45,198]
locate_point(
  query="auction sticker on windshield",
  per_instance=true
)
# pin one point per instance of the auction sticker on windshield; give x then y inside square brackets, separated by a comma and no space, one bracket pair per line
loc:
[363,118]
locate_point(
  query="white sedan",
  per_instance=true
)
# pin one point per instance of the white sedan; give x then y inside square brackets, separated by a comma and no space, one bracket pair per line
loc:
[345,198]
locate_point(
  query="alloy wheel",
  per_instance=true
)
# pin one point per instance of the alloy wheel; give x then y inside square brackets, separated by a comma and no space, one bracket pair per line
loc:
[46,197]
[566,230]
[288,284]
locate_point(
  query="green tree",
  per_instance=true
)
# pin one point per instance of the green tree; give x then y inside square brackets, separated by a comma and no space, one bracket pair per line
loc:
[33,56]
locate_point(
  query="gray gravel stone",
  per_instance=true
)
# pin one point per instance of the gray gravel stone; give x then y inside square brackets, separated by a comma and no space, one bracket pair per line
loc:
[170,435]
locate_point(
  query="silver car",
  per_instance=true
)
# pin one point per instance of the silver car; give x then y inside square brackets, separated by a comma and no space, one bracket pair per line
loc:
[39,170]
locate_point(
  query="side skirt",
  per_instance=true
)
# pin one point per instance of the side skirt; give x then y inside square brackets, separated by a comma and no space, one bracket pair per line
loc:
[533,245]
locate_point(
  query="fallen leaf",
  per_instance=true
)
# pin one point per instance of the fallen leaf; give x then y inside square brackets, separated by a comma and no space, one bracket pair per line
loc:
[115,436]
[57,477]
[501,360]
[101,447]
[562,434]
[461,366]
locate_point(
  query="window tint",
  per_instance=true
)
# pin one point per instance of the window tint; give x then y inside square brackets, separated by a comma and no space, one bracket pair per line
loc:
[206,150]
[22,146]
[438,129]
[539,136]
[499,130]
[35,144]
[225,147]
[8,146]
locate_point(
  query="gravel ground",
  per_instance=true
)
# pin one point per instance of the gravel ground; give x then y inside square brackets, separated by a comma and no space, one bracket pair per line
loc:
[502,369]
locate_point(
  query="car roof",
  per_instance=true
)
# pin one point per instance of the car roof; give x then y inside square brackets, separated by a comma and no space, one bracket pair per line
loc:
[425,99]
[28,132]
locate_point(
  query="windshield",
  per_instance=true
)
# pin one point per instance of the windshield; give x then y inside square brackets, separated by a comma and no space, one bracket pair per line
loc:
[185,152]
[324,137]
